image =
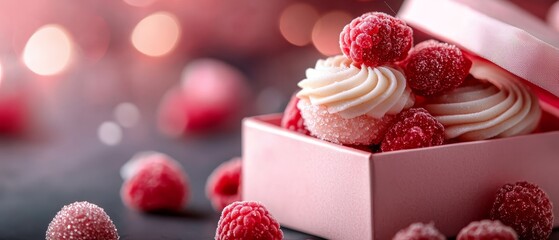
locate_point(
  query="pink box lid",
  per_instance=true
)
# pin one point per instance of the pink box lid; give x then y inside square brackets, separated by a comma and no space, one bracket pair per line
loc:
[495,30]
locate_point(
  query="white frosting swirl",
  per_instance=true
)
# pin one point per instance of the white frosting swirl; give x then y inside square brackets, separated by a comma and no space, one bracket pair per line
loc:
[353,91]
[499,107]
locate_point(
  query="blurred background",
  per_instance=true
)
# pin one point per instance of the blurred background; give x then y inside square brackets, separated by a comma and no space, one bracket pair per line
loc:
[86,84]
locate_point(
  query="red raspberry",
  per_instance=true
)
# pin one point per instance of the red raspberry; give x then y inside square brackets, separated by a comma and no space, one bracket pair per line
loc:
[433,68]
[247,220]
[213,96]
[292,119]
[414,128]
[526,208]
[157,184]
[81,220]
[224,184]
[376,38]
[486,230]
[419,231]
[13,115]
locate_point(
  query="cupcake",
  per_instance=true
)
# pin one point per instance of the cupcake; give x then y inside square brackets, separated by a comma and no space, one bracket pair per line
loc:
[353,105]
[351,99]
[492,103]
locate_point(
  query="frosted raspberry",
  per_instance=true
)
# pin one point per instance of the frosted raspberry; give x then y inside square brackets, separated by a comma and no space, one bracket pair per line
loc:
[156,184]
[433,67]
[526,208]
[292,119]
[376,38]
[419,231]
[81,221]
[247,220]
[224,184]
[486,230]
[414,128]
[362,130]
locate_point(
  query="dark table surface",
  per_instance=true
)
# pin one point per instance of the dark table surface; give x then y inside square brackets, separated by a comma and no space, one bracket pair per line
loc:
[39,176]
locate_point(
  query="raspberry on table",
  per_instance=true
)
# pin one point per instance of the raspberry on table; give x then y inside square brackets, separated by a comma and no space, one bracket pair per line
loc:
[414,128]
[526,208]
[432,68]
[292,119]
[247,220]
[223,186]
[81,221]
[157,183]
[419,231]
[487,230]
[375,39]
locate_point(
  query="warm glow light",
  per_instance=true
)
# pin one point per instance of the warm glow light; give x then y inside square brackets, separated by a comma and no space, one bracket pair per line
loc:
[157,34]
[296,23]
[326,32]
[49,50]
[109,133]
[139,3]
[127,115]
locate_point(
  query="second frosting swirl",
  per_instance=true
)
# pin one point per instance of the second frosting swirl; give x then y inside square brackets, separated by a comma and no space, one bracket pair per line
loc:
[501,106]
[352,91]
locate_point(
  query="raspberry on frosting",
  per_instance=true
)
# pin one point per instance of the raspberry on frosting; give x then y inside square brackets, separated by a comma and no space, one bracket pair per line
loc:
[419,231]
[526,208]
[375,39]
[82,221]
[433,68]
[487,230]
[247,220]
[414,128]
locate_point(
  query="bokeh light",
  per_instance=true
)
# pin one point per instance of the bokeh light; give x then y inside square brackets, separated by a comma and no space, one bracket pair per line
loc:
[139,3]
[157,34]
[49,50]
[109,133]
[296,23]
[127,114]
[326,32]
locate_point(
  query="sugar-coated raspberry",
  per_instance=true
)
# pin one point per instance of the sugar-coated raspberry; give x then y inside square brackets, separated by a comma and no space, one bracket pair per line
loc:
[247,220]
[361,130]
[487,230]
[81,221]
[292,119]
[156,184]
[414,128]
[433,68]
[224,184]
[526,208]
[376,38]
[419,231]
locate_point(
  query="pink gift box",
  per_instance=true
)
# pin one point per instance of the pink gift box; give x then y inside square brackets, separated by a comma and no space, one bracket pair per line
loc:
[339,192]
